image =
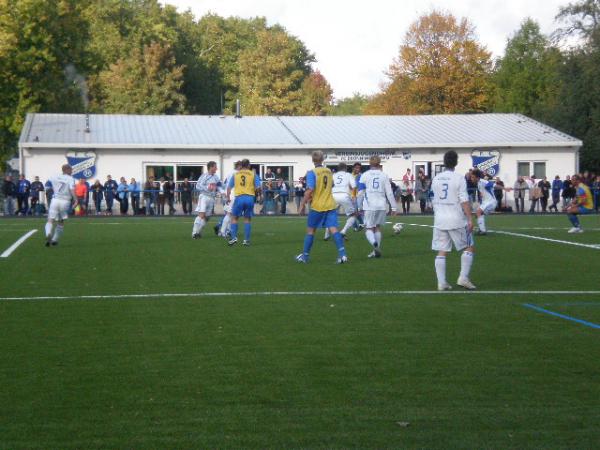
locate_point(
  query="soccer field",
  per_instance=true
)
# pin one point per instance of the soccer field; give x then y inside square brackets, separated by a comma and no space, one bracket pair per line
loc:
[129,334]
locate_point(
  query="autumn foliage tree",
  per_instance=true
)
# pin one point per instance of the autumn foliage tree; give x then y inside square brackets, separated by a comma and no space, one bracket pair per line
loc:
[441,68]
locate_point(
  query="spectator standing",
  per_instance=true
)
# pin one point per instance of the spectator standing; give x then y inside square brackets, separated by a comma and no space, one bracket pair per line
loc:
[123,195]
[81,194]
[97,195]
[9,190]
[498,192]
[161,196]
[37,187]
[49,192]
[567,191]
[149,196]
[87,196]
[134,192]
[169,189]
[23,190]
[408,176]
[405,195]
[186,196]
[556,188]
[269,175]
[519,189]
[422,191]
[110,192]
[545,188]
[299,189]
[596,192]
[283,189]
[535,194]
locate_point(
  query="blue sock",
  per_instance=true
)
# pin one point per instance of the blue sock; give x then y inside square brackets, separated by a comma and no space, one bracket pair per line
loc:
[247,229]
[574,220]
[234,227]
[339,243]
[308,242]
[220,223]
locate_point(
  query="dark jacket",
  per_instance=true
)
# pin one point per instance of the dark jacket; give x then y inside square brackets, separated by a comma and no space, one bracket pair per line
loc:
[9,189]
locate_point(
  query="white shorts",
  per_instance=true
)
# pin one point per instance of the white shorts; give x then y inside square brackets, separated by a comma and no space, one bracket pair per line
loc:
[206,205]
[488,207]
[59,209]
[375,218]
[345,202]
[227,207]
[443,239]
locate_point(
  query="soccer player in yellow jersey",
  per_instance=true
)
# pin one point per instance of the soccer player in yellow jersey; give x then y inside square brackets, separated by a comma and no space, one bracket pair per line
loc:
[246,185]
[323,209]
[582,204]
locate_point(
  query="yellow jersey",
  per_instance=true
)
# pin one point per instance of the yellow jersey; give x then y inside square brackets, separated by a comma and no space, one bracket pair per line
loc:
[584,196]
[245,182]
[320,180]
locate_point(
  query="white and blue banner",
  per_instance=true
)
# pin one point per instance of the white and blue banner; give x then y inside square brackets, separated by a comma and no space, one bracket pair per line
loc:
[83,164]
[488,161]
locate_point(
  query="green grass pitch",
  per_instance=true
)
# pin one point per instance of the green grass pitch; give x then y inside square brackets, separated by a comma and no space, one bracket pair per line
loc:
[458,370]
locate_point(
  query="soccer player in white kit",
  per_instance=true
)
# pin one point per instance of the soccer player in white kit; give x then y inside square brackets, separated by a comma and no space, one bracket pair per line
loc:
[343,184]
[452,222]
[207,185]
[488,199]
[374,195]
[223,230]
[63,199]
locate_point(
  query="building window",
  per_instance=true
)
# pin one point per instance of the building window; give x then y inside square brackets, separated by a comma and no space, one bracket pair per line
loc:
[192,173]
[158,172]
[528,168]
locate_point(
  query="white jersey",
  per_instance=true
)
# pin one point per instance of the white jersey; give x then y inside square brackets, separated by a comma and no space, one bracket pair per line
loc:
[343,183]
[486,189]
[226,183]
[208,184]
[63,186]
[376,191]
[449,192]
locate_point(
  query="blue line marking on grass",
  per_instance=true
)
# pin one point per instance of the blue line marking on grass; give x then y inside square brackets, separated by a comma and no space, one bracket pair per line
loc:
[562,316]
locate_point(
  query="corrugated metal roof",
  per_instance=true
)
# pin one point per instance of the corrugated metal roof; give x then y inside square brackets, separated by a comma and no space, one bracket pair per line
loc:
[136,131]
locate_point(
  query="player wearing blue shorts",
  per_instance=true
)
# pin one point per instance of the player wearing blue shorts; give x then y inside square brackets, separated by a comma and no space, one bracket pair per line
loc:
[323,209]
[582,204]
[247,186]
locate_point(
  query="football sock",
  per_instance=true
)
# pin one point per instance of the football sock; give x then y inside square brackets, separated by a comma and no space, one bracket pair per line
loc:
[196,228]
[326,234]
[481,223]
[466,260]
[225,224]
[378,238]
[371,237]
[574,220]
[308,242]
[202,223]
[57,233]
[339,243]
[440,269]
[247,230]
[349,224]
[234,230]
[48,229]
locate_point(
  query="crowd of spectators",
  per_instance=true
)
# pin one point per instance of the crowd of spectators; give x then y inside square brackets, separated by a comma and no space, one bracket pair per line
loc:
[160,196]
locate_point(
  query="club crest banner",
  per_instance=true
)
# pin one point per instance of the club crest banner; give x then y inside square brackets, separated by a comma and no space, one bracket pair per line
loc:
[488,161]
[83,164]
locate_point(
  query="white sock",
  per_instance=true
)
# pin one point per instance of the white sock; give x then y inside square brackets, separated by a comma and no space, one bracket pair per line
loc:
[466,261]
[196,228]
[57,233]
[202,223]
[48,229]
[378,238]
[440,269]
[326,233]
[371,237]
[349,223]
[225,225]
[481,223]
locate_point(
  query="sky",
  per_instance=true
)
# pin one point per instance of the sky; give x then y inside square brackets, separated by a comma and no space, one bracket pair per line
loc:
[355,41]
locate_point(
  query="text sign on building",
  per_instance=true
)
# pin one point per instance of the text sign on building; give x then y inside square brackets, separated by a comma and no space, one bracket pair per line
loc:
[83,163]
[488,161]
[364,155]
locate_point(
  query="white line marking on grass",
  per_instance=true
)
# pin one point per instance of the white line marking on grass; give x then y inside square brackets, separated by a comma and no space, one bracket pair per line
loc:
[294,293]
[13,247]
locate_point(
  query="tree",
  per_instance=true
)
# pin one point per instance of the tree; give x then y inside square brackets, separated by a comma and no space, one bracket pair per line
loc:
[441,68]
[316,95]
[350,106]
[527,78]
[583,18]
[147,82]
[272,73]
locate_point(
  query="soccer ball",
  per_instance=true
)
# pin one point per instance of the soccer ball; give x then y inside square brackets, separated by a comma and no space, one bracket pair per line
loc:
[397,228]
